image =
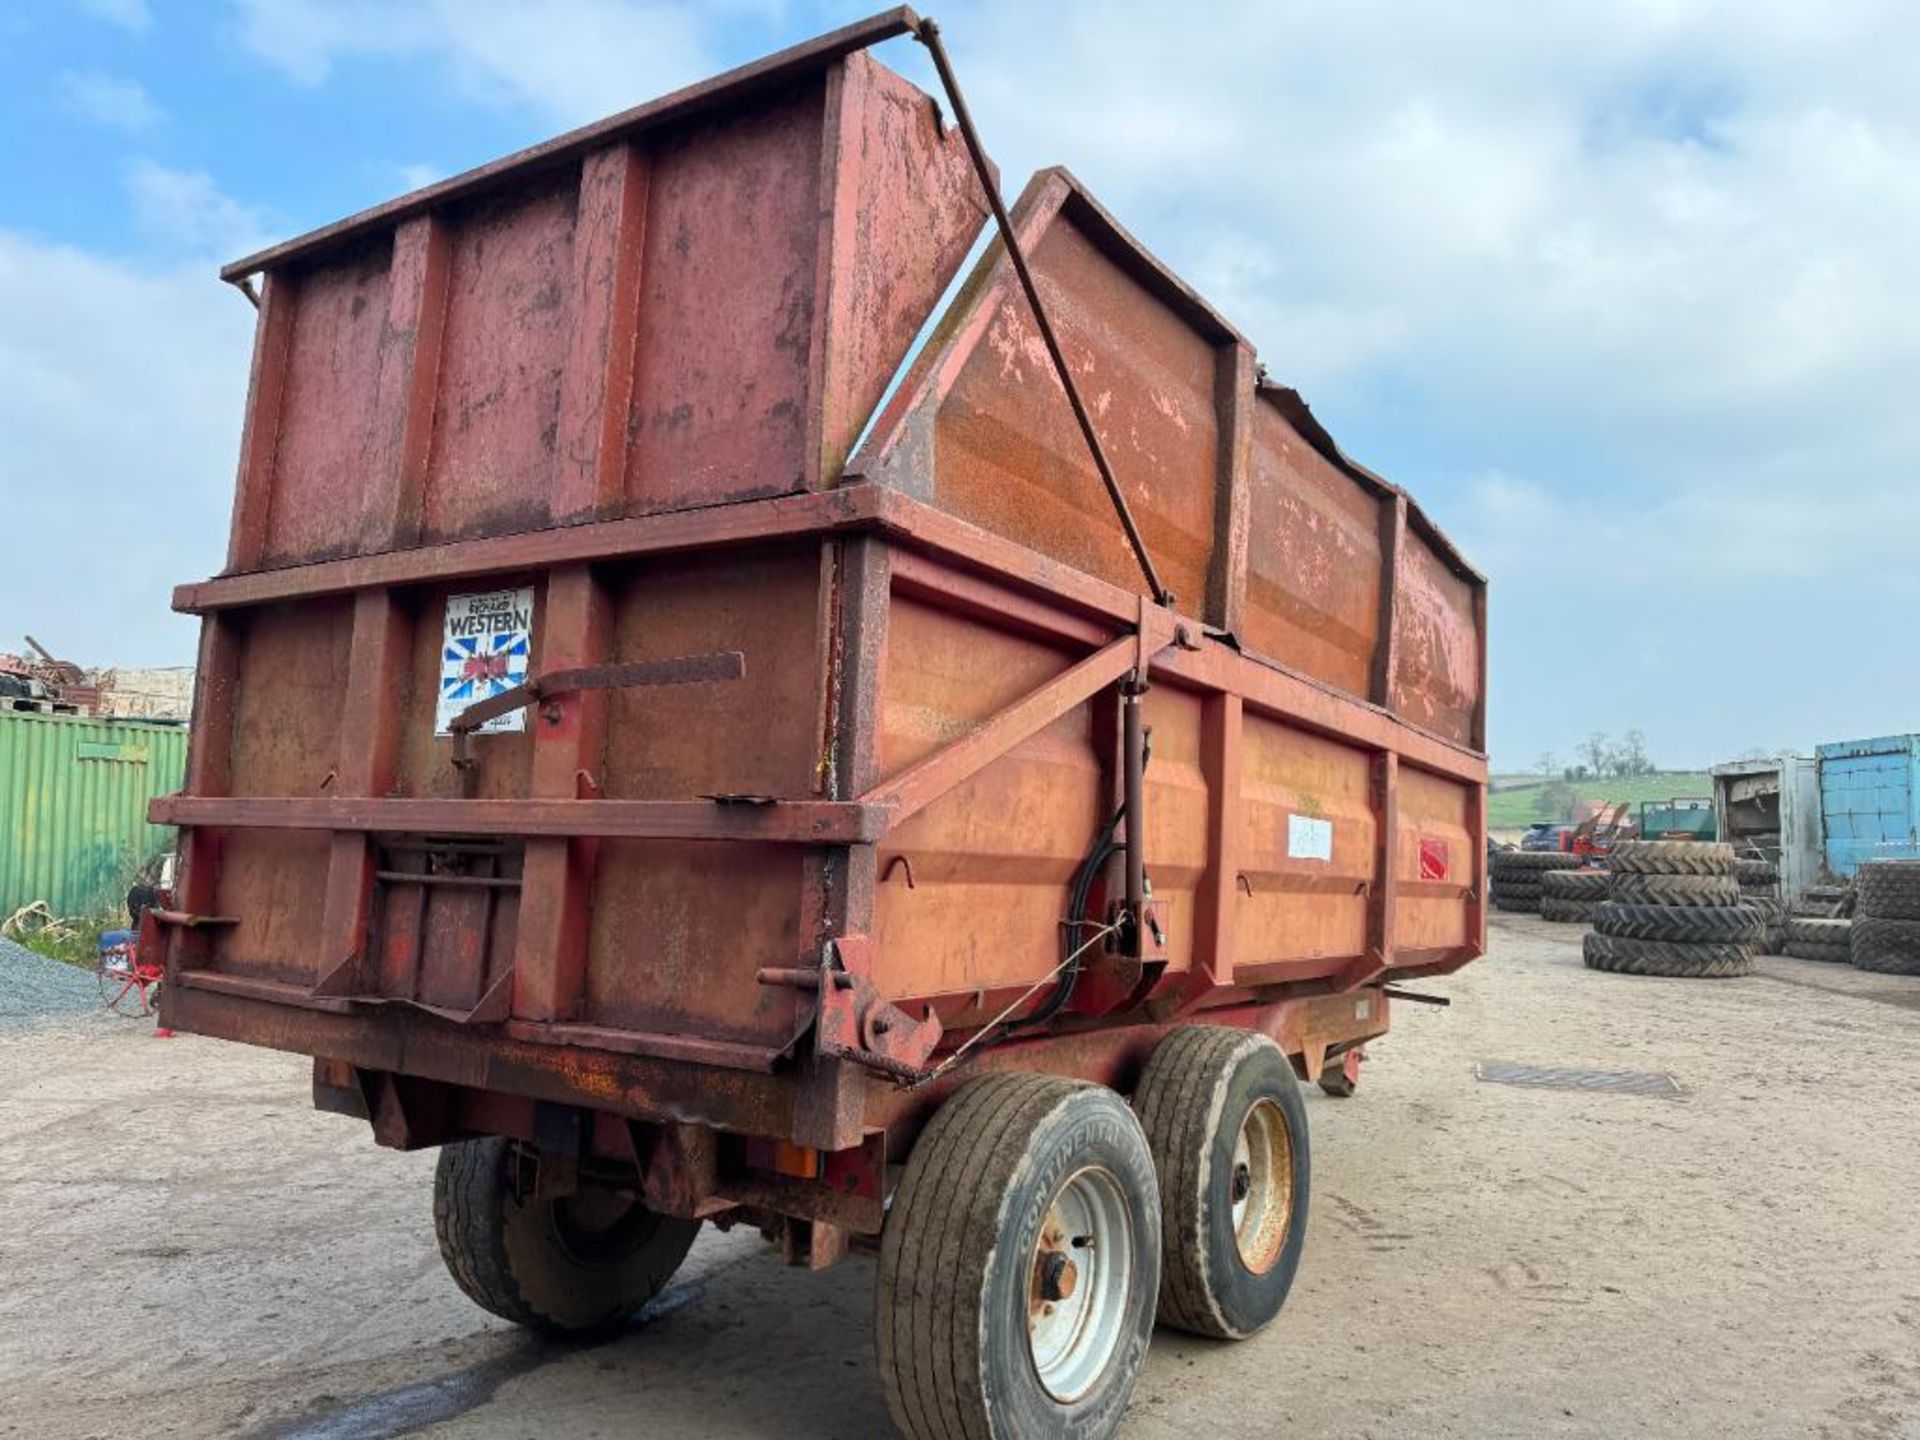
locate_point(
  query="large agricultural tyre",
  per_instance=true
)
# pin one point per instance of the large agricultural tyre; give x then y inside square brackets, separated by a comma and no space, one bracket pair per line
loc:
[1702,890]
[1885,946]
[1672,857]
[1573,885]
[1020,1264]
[1567,912]
[1223,1116]
[1889,889]
[1665,957]
[1821,901]
[576,1267]
[1688,924]
[1529,903]
[1812,937]
[1512,862]
[1756,873]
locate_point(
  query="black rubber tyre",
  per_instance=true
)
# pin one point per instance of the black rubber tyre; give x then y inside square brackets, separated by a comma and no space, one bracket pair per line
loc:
[1513,862]
[959,1257]
[1756,872]
[1698,890]
[1672,857]
[1204,1090]
[1665,957]
[1574,885]
[1774,942]
[1688,924]
[1818,930]
[1889,889]
[1567,912]
[1517,904]
[1825,954]
[1886,946]
[578,1267]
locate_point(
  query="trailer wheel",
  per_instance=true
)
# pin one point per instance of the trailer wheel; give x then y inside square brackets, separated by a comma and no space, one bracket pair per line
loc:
[1019,1264]
[1223,1114]
[577,1266]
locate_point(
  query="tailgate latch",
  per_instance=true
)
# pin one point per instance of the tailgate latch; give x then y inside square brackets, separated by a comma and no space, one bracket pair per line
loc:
[854,1021]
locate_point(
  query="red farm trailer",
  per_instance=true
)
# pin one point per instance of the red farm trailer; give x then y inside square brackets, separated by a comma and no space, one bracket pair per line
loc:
[624,759]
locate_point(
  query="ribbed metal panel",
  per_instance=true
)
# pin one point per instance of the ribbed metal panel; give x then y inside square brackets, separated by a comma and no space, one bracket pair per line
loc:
[1870,800]
[73,807]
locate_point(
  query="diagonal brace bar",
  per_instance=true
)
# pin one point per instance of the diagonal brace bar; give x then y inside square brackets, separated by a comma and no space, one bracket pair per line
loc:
[928,34]
[925,781]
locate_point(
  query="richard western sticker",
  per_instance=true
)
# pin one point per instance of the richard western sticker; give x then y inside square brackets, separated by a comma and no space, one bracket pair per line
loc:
[484,653]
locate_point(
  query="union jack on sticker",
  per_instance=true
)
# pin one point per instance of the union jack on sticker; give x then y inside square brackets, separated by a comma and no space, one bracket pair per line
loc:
[488,641]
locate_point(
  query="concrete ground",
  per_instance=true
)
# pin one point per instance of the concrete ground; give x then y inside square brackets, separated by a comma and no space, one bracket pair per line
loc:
[186,1249]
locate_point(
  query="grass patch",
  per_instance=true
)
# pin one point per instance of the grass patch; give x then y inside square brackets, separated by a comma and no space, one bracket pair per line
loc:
[73,940]
[1518,807]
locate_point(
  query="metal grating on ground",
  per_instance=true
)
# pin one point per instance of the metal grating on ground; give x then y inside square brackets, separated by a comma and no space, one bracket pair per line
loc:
[1554,1077]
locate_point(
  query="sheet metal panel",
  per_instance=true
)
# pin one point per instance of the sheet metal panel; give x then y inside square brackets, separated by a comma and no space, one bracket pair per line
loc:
[1870,800]
[73,808]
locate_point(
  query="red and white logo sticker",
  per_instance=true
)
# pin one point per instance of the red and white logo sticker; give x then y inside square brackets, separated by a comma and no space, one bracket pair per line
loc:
[1433,858]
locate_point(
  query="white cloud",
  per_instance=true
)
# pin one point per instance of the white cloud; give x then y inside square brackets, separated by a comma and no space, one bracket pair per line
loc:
[571,60]
[109,100]
[120,397]
[417,176]
[186,211]
[127,14]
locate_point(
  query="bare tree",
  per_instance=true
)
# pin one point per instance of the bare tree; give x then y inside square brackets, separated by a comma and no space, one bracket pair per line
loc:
[1595,750]
[1633,755]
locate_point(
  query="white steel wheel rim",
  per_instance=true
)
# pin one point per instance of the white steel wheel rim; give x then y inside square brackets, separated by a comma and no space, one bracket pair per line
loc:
[1085,1250]
[1262,1186]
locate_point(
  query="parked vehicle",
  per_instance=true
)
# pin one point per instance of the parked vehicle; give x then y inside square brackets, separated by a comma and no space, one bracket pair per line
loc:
[954,848]
[1680,818]
[1546,835]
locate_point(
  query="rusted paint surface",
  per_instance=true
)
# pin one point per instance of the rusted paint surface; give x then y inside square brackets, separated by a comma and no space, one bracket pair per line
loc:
[1313,566]
[1006,452]
[1437,682]
[497,421]
[327,428]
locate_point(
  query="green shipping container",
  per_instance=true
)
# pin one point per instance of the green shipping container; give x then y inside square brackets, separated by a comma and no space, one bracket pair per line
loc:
[73,807]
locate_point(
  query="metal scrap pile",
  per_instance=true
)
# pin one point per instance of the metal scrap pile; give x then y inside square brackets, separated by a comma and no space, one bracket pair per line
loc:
[39,681]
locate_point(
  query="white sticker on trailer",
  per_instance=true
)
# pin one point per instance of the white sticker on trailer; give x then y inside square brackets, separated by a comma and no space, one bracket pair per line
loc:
[484,652]
[1308,838]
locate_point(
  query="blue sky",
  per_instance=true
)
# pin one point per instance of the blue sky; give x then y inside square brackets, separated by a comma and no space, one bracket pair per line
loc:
[1626,294]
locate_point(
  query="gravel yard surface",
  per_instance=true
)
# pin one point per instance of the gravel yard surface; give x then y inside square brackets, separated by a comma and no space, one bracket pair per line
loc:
[34,988]
[191,1251]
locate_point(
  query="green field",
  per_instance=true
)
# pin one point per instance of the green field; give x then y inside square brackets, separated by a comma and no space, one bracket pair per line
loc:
[1514,808]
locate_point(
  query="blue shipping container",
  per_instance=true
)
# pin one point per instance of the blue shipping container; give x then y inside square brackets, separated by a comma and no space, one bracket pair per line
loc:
[1870,800]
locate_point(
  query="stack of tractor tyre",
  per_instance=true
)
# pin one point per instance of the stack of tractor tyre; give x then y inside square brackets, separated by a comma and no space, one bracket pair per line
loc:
[1517,875]
[1823,902]
[1886,917]
[1760,888]
[1818,937]
[1571,895]
[1673,907]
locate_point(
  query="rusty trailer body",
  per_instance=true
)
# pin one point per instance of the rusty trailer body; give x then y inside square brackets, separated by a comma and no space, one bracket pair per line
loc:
[805,743]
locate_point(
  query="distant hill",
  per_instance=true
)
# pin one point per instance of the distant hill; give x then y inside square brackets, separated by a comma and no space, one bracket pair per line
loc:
[1513,801]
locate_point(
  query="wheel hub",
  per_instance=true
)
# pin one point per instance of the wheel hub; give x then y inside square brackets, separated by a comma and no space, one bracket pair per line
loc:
[1080,1283]
[1260,1187]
